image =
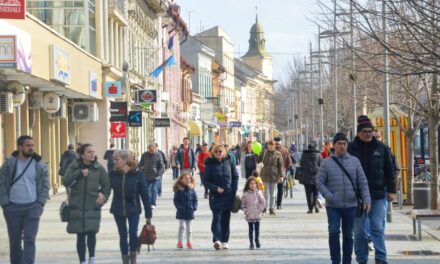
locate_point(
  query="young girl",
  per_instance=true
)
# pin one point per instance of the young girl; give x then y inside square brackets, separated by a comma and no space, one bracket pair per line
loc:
[260,184]
[252,204]
[185,201]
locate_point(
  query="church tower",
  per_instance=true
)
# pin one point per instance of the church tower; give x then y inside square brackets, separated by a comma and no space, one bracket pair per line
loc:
[257,56]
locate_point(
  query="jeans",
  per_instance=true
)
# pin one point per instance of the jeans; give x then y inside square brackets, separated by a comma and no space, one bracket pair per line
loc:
[133,222]
[201,182]
[254,226]
[220,225]
[159,190]
[185,225]
[81,245]
[335,216]
[311,195]
[175,173]
[22,222]
[153,188]
[280,190]
[374,221]
[269,190]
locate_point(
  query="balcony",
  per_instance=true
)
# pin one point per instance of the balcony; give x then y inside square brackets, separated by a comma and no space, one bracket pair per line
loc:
[118,10]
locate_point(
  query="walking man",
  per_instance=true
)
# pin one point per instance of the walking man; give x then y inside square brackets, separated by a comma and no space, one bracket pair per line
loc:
[185,158]
[24,190]
[165,164]
[377,164]
[286,165]
[108,155]
[152,166]
[68,156]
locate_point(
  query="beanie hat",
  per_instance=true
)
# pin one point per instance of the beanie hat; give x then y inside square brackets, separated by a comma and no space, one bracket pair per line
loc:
[339,136]
[364,122]
[312,145]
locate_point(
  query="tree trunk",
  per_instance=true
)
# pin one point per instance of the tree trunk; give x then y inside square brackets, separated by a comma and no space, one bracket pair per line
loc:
[410,169]
[433,157]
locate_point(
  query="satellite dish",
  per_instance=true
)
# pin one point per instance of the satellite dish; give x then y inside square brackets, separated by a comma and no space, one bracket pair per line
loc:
[51,102]
[18,91]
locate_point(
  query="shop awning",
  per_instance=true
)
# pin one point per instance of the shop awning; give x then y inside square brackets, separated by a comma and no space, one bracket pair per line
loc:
[194,128]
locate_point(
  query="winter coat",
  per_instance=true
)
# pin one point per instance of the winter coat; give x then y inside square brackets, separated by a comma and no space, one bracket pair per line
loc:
[310,163]
[377,164]
[335,186]
[221,174]
[285,155]
[85,214]
[253,204]
[108,156]
[173,159]
[128,189]
[68,157]
[273,168]
[7,174]
[185,201]
[201,161]
[191,158]
[152,165]
[248,164]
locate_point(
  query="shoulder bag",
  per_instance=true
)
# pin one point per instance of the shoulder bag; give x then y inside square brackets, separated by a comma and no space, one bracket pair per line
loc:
[360,210]
[237,200]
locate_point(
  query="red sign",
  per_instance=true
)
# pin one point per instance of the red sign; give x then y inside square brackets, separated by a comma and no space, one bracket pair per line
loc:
[118,129]
[13,9]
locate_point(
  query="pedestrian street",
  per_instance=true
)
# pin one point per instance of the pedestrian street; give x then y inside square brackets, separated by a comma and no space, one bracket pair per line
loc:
[292,236]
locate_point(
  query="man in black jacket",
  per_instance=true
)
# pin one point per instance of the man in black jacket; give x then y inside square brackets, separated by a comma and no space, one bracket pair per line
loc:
[376,161]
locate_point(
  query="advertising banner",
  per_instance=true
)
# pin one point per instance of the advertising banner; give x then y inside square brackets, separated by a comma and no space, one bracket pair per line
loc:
[12,9]
[118,111]
[118,130]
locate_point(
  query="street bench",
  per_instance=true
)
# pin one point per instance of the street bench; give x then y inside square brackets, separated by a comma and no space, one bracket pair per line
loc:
[423,215]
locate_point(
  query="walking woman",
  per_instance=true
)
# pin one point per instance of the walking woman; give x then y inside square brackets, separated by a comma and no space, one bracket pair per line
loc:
[221,178]
[272,173]
[248,161]
[129,186]
[89,190]
[310,162]
[341,190]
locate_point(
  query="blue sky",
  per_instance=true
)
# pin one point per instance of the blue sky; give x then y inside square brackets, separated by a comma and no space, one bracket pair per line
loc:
[285,22]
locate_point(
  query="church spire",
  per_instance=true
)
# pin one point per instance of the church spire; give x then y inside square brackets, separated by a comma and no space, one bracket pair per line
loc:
[257,42]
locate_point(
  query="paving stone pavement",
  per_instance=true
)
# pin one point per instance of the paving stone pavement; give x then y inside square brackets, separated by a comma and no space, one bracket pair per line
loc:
[290,237]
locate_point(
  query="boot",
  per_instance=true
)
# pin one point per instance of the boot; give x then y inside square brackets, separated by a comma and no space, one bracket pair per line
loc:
[125,259]
[133,256]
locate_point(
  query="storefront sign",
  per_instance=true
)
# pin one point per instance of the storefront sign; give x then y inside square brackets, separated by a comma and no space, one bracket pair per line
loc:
[93,84]
[8,52]
[113,89]
[13,9]
[207,112]
[15,48]
[118,111]
[147,96]
[135,118]
[118,130]
[221,118]
[61,65]
[162,122]
[234,124]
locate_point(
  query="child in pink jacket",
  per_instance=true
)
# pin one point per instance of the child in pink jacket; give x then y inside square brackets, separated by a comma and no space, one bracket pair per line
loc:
[252,204]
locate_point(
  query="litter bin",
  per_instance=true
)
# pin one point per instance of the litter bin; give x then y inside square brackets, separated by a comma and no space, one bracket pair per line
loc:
[421,195]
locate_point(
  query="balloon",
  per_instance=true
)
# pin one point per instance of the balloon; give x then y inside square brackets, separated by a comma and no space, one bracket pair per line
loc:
[257,148]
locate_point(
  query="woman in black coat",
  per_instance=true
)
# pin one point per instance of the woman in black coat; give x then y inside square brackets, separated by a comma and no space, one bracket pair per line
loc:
[310,162]
[221,178]
[129,186]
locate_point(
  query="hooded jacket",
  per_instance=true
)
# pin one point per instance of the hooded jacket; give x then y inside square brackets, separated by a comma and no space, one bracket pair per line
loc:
[378,167]
[152,165]
[7,174]
[273,168]
[221,174]
[185,201]
[253,204]
[310,163]
[84,213]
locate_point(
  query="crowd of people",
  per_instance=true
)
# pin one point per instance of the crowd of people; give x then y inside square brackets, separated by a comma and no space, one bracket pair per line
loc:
[356,179]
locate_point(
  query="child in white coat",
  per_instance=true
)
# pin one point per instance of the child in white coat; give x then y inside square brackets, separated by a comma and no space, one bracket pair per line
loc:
[252,204]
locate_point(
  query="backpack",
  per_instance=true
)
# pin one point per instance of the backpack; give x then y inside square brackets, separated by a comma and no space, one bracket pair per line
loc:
[147,236]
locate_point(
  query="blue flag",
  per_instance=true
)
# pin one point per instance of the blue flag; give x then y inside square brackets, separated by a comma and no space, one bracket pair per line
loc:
[171,43]
[171,61]
[157,71]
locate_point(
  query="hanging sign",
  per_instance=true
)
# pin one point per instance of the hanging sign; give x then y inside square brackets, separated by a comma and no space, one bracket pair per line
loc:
[118,130]
[118,111]
[135,119]
[162,122]
[113,89]
[60,65]
[147,96]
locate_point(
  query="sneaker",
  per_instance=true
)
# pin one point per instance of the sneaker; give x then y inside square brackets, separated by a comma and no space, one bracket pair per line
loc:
[217,245]
[316,210]
[310,212]
[272,211]
[153,207]
[225,245]
[92,260]
[179,244]
[189,245]
[319,203]
[257,243]
[370,245]
[251,246]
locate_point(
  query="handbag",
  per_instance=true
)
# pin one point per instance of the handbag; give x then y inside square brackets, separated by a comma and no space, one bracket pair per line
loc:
[64,211]
[147,236]
[360,210]
[236,206]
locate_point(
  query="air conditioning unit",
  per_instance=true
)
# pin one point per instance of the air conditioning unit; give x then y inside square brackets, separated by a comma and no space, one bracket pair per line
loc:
[85,112]
[62,112]
[35,100]
[6,103]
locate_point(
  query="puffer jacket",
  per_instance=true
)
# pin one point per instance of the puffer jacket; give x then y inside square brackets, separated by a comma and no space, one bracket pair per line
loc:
[273,168]
[152,165]
[310,163]
[335,186]
[7,173]
[185,201]
[221,174]
[127,190]
[252,204]
[85,214]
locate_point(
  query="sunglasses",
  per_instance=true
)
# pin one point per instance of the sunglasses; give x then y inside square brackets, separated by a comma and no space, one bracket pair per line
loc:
[218,151]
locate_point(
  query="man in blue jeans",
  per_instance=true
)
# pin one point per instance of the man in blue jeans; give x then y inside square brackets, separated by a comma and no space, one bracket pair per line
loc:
[152,167]
[376,161]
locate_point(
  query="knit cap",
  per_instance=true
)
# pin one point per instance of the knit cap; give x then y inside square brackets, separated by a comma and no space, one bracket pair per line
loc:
[339,136]
[364,122]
